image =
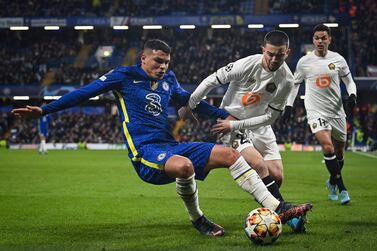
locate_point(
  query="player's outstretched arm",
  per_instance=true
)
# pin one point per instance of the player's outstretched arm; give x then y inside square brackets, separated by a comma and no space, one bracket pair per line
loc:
[268,118]
[28,112]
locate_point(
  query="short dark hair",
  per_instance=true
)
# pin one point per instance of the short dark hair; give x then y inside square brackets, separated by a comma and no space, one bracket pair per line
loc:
[322,27]
[157,44]
[276,38]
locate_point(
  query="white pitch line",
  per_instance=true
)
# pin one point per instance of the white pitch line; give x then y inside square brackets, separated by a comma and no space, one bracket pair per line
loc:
[367,155]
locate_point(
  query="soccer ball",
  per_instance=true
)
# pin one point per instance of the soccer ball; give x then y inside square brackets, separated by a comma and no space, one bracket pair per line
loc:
[263,226]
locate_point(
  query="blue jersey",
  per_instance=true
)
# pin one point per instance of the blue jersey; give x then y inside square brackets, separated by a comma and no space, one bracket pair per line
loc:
[142,102]
[43,125]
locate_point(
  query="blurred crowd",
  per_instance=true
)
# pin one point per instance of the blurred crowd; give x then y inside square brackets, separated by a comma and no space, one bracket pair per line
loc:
[300,6]
[99,8]
[69,127]
[364,37]
[37,56]
[54,58]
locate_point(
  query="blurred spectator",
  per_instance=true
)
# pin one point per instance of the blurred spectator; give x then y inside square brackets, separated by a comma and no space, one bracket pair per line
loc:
[90,8]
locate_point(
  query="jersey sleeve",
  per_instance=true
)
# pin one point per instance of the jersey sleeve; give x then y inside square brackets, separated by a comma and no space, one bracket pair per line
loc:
[233,71]
[222,76]
[346,76]
[109,81]
[344,70]
[181,98]
[299,74]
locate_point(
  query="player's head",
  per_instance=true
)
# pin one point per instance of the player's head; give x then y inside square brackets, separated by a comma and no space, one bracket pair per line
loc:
[321,38]
[275,49]
[155,58]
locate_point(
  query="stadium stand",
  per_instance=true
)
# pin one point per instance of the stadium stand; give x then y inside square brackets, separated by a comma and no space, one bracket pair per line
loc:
[68,57]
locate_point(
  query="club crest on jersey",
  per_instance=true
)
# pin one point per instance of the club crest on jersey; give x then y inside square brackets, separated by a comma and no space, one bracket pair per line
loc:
[314,125]
[271,87]
[229,67]
[154,85]
[165,86]
[161,156]
[331,66]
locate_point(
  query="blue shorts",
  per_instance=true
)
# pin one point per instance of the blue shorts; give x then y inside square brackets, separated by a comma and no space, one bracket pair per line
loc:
[150,165]
[43,133]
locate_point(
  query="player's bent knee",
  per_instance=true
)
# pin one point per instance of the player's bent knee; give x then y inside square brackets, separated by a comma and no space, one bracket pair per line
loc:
[186,169]
[179,167]
[328,148]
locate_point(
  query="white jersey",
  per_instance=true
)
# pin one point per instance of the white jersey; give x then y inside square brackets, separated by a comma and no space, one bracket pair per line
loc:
[251,89]
[322,83]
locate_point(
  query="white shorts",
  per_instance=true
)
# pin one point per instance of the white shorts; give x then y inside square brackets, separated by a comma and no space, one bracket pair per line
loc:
[337,126]
[262,139]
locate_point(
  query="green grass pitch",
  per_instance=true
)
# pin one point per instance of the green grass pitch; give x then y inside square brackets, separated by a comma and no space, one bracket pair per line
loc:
[93,200]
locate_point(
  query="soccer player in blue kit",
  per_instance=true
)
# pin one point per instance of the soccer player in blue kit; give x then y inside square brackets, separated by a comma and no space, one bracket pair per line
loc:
[143,93]
[43,123]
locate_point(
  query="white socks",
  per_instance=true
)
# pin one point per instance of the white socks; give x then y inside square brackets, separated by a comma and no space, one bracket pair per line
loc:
[187,190]
[42,147]
[248,179]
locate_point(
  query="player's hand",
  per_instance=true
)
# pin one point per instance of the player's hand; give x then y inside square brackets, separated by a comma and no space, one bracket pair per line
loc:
[221,127]
[185,112]
[28,112]
[287,114]
[351,103]
[230,117]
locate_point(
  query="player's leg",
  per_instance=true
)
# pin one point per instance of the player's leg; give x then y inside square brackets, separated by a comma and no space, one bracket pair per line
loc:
[246,177]
[339,137]
[324,138]
[42,144]
[255,159]
[275,168]
[182,168]
[339,150]
[249,181]
[265,142]
[244,143]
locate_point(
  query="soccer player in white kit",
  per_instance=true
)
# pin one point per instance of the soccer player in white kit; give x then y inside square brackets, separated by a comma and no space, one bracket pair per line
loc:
[259,86]
[321,71]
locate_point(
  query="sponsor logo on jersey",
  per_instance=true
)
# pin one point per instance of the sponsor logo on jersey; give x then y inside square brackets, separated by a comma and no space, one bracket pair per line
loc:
[271,87]
[323,82]
[165,86]
[229,67]
[161,156]
[154,104]
[250,98]
[137,81]
[154,85]
[331,66]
